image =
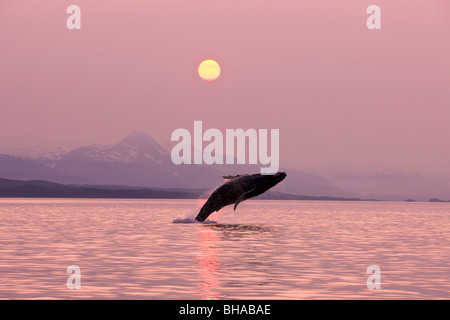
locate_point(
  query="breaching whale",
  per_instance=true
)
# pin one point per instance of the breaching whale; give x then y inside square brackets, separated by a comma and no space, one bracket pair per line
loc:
[237,189]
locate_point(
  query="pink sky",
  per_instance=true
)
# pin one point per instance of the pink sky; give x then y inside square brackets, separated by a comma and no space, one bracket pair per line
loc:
[341,95]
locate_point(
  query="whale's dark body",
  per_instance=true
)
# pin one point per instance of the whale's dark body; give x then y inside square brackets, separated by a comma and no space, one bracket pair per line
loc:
[238,189]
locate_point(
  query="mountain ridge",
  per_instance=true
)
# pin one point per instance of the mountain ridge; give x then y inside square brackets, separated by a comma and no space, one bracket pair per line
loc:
[139,160]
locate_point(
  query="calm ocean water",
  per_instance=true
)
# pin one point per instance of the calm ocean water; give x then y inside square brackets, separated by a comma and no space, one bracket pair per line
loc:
[131,249]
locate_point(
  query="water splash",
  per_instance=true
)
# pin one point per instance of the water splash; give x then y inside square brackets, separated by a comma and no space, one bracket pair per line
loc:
[190,217]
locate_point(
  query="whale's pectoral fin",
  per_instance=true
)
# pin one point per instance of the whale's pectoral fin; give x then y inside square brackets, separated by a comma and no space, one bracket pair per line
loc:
[245,196]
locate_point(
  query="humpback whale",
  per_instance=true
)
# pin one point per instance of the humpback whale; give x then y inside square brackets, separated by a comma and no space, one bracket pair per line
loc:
[237,189]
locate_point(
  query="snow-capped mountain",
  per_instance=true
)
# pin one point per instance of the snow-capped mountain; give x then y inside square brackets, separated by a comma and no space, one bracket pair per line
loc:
[137,160]
[21,168]
[36,153]
[137,147]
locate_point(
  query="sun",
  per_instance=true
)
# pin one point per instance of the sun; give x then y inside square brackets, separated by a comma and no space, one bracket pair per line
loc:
[209,70]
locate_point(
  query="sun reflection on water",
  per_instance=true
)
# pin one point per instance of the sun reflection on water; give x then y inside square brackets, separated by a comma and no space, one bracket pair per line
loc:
[208,264]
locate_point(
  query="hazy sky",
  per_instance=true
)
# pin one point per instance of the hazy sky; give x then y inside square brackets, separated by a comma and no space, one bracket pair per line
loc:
[341,95]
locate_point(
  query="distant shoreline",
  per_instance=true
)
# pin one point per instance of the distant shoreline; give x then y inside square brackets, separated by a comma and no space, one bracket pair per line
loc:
[44,189]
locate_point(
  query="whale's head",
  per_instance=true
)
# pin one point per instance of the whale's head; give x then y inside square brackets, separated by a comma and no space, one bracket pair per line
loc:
[279,176]
[270,180]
